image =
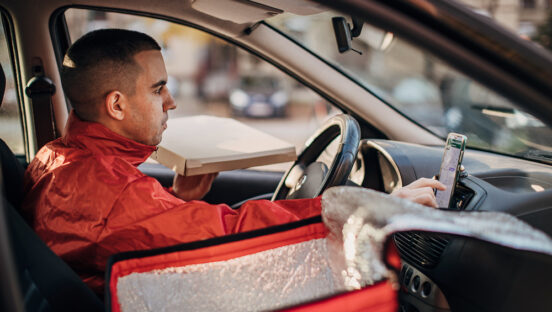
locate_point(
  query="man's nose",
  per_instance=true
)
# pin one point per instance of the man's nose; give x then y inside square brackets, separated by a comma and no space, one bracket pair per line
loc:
[169,103]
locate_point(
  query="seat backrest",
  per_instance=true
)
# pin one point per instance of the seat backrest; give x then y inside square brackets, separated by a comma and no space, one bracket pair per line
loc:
[46,282]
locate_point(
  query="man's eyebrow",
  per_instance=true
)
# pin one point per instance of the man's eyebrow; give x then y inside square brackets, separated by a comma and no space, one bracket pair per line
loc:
[159,83]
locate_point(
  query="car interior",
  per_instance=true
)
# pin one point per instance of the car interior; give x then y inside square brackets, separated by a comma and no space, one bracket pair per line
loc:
[372,144]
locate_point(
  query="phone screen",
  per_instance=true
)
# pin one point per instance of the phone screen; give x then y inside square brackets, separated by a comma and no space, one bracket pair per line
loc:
[448,175]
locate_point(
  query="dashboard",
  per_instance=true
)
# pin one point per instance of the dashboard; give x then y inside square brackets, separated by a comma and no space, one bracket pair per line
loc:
[490,182]
[443,273]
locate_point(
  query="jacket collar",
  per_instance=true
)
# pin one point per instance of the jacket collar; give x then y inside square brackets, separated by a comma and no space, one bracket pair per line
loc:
[98,139]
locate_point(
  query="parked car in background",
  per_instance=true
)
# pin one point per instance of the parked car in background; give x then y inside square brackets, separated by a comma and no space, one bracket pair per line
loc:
[259,96]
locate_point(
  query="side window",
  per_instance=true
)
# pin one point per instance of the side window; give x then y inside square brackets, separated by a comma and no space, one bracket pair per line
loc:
[208,76]
[11,130]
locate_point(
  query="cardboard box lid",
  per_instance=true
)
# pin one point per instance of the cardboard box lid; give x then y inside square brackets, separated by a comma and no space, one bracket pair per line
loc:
[204,144]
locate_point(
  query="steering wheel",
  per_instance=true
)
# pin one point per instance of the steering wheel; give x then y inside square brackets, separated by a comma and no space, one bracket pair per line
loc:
[308,178]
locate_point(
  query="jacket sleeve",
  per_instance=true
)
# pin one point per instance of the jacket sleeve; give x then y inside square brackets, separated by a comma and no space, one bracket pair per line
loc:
[146,216]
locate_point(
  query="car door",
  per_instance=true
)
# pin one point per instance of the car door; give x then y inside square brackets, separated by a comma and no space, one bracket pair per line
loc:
[11,134]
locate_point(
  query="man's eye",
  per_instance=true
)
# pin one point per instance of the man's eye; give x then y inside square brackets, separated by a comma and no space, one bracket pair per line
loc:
[158,90]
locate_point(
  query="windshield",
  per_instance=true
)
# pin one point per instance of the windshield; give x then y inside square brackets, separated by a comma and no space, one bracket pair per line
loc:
[424,88]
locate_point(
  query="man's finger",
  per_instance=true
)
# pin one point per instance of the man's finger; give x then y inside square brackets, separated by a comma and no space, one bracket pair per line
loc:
[422,191]
[425,182]
[426,199]
[423,195]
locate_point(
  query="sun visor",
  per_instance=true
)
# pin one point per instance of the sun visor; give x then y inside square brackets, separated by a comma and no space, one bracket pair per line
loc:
[298,7]
[236,11]
[244,11]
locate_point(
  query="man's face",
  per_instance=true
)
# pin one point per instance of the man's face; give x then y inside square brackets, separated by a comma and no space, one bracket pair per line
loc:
[150,103]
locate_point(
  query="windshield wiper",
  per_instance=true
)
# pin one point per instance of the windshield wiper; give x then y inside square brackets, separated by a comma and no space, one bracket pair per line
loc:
[538,155]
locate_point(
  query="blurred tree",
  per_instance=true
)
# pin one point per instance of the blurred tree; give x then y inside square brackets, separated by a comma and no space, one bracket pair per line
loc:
[544,32]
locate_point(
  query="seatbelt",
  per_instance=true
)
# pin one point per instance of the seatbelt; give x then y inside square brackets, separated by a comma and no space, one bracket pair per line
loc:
[40,90]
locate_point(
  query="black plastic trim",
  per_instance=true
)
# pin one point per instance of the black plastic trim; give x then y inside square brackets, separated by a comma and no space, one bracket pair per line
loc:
[60,35]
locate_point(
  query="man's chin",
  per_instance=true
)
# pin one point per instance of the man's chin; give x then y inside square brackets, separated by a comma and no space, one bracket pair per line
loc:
[157,140]
[154,141]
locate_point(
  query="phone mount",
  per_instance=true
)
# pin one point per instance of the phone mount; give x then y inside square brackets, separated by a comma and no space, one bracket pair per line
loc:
[462,194]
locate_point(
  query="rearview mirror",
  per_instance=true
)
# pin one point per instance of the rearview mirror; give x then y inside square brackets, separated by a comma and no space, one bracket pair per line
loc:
[344,34]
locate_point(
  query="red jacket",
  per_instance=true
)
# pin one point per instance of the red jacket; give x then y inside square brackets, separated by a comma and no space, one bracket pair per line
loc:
[87,200]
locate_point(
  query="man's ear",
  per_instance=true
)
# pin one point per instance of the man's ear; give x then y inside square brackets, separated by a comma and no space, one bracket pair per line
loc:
[116,104]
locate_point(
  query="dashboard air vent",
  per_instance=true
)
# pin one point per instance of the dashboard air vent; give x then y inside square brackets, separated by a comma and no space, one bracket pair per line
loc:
[424,249]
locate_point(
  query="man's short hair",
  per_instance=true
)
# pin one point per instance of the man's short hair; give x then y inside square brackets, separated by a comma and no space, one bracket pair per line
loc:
[100,62]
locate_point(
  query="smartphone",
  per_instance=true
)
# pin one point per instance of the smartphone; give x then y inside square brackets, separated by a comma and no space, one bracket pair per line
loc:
[450,165]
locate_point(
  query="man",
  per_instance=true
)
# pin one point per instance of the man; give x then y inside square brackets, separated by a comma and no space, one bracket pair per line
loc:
[84,195]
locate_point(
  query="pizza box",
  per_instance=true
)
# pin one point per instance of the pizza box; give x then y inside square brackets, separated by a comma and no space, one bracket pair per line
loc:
[206,144]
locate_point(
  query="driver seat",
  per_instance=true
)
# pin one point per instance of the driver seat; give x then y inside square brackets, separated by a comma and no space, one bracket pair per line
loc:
[34,277]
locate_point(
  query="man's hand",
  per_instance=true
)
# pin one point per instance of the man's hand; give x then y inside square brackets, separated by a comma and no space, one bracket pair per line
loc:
[421,191]
[193,187]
